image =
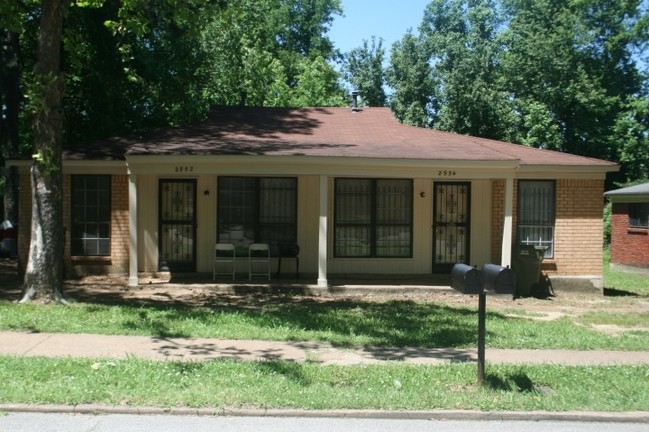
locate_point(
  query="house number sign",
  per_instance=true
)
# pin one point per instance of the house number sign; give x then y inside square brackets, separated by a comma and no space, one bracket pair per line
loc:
[446,173]
[183,169]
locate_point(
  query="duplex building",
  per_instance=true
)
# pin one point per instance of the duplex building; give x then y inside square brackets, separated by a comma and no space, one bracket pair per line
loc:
[359,193]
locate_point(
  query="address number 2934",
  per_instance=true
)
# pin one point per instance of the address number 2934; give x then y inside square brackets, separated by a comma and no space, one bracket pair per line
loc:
[446,173]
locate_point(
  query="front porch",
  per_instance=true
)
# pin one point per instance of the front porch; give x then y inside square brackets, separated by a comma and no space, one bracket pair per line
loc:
[338,284]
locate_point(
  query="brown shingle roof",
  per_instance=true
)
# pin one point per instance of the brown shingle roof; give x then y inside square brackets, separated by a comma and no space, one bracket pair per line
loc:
[368,133]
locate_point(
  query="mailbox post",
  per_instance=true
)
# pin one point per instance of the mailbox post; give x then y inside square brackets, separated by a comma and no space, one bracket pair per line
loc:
[470,280]
[482,329]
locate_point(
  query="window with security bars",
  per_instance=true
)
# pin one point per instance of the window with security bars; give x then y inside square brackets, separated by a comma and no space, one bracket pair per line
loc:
[257,210]
[639,215]
[373,218]
[90,202]
[536,214]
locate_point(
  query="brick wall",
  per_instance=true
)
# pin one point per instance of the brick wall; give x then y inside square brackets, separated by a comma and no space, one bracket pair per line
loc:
[629,246]
[119,235]
[579,226]
[116,263]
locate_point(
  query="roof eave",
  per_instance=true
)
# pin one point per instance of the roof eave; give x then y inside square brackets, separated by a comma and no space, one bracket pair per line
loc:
[547,171]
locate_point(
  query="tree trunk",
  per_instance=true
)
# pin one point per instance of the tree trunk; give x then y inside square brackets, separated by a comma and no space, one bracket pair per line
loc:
[44,273]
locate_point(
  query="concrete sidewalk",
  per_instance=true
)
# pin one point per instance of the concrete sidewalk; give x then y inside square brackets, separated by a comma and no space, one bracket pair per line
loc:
[197,349]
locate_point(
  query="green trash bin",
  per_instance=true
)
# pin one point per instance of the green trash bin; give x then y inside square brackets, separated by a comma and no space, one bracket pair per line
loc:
[526,264]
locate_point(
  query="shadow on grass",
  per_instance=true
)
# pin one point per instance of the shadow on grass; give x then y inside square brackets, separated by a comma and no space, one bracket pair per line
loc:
[291,370]
[518,383]
[614,292]
[343,322]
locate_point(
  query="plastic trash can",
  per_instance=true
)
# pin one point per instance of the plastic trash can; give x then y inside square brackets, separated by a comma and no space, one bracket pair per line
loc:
[526,264]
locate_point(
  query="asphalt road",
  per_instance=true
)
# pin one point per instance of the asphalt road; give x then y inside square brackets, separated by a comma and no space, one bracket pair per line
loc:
[44,422]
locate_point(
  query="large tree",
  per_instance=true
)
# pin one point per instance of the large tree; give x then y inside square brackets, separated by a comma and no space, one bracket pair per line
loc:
[460,37]
[265,53]
[44,272]
[573,63]
[553,74]
[364,70]
[132,68]
[409,74]
[130,65]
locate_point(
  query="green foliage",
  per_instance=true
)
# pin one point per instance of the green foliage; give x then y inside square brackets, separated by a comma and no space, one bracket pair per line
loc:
[632,132]
[550,74]
[541,130]
[363,69]
[47,158]
[575,59]
[410,75]
[271,53]
[12,14]
[135,65]
[317,85]
[608,220]
[461,39]
[301,26]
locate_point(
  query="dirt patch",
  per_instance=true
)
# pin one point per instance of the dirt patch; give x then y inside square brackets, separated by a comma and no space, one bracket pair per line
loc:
[204,292]
[617,330]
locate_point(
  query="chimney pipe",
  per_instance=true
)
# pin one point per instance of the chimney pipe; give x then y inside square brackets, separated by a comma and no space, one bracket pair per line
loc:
[355,101]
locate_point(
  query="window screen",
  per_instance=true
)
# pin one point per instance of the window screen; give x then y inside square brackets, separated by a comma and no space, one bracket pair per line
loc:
[373,218]
[257,209]
[536,210]
[639,215]
[90,213]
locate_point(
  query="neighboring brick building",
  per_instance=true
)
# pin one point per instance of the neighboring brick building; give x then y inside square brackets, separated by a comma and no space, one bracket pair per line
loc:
[630,226]
[356,190]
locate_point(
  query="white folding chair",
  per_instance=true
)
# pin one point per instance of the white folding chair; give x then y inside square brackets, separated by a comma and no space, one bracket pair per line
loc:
[224,257]
[258,260]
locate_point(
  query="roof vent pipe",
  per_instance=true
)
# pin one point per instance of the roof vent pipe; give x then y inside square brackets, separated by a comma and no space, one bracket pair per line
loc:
[355,101]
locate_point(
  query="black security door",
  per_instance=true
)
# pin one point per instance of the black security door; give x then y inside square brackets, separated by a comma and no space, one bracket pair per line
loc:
[177,216]
[451,225]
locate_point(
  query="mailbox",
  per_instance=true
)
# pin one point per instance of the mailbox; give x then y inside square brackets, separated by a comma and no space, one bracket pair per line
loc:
[499,279]
[467,279]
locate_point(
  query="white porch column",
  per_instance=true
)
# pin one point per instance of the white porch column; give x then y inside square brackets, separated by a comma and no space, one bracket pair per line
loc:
[132,229]
[506,254]
[322,233]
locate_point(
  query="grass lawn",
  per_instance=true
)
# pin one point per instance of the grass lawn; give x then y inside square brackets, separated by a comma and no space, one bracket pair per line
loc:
[349,322]
[344,322]
[356,321]
[233,384]
[625,282]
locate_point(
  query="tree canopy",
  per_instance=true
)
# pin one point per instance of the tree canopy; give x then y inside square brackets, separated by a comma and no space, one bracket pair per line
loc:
[563,75]
[363,69]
